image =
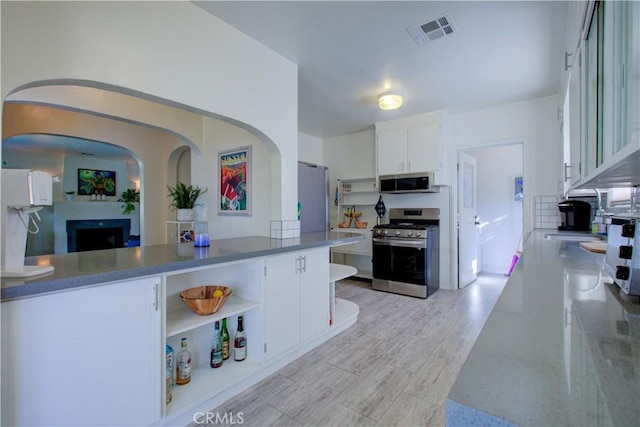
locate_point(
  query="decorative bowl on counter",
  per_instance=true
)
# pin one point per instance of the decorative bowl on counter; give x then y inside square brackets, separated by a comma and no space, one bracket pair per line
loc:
[205,300]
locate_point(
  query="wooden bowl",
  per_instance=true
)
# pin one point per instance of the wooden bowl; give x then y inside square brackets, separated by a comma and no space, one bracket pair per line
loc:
[362,224]
[201,301]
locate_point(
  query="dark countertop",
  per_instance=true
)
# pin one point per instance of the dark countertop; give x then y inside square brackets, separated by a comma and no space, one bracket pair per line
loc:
[80,269]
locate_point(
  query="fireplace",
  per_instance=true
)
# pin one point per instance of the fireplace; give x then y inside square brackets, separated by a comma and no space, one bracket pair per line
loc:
[95,234]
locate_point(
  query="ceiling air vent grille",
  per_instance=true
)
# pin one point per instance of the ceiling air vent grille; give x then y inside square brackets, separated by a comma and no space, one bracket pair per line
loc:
[435,29]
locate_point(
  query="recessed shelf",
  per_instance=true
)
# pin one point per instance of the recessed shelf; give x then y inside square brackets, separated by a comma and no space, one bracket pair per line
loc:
[200,388]
[183,320]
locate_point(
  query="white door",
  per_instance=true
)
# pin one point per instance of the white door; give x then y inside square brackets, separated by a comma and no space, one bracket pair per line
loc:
[282,303]
[468,231]
[314,293]
[392,151]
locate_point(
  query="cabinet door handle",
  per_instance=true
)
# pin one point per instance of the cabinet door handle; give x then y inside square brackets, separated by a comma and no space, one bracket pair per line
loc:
[155,302]
[566,172]
[402,166]
[408,166]
[304,260]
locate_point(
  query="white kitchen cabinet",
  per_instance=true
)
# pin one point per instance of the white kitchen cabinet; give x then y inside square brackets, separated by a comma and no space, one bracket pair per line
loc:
[102,357]
[392,151]
[409,150]
[297,299]
[606,59]
[314,293]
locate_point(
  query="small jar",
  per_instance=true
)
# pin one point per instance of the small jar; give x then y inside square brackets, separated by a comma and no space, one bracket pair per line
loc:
[201,240]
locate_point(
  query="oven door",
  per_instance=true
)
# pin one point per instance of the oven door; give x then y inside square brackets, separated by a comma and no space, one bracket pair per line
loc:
[400,260]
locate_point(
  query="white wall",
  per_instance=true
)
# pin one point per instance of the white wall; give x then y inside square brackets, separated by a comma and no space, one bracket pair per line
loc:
[500,214]
[172,52]
[534,122]
[310,149]
[219,136]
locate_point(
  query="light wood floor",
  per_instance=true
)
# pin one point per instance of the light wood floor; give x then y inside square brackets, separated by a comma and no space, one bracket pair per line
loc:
[394,367]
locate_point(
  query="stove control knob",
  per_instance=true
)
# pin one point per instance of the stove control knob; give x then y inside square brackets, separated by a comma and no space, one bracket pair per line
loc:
[625,252]
[386,232]
[410,233]
[418,234]
[622,272]
[628,230]
[397,233]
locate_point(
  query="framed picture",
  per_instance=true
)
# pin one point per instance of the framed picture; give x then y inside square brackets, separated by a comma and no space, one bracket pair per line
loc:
[234,171]
[92,181]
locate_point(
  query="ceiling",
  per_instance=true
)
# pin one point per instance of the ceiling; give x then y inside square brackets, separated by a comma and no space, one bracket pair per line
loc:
[348,52]
[59,145]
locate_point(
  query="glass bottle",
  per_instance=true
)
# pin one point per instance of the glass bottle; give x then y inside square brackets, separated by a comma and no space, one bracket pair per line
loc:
[240,342]
[169,374]
[183,368]
[225,340]
[216,347]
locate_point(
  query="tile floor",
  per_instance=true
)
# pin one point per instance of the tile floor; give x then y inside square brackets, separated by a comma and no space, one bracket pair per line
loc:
[394,367]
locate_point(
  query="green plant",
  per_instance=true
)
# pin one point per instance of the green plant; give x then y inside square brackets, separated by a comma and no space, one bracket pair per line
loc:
[71,193]
[129,197]
[183,196]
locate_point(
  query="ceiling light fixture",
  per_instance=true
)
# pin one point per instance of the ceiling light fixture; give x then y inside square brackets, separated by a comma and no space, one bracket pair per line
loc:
[389,101]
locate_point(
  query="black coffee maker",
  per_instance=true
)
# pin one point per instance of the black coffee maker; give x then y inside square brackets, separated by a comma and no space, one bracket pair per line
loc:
[575,215]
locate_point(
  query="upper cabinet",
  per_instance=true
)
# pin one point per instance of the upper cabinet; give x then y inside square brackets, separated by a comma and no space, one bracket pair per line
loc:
[410,145]
[602,90]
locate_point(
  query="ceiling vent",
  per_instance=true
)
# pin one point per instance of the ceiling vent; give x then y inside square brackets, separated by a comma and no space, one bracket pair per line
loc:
[433,30]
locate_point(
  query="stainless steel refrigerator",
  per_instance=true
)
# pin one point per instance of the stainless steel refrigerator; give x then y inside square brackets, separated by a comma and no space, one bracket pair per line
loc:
[313,197]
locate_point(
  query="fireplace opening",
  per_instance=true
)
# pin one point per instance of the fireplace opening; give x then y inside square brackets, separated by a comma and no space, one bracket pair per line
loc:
[92,239]
[91,235]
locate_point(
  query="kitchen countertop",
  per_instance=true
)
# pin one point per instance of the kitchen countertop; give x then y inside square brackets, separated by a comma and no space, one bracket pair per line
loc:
[80,269]
[561,347]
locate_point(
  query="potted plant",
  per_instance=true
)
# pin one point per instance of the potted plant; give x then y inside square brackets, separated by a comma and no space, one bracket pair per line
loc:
[184,198]
[69,195]
[128,198]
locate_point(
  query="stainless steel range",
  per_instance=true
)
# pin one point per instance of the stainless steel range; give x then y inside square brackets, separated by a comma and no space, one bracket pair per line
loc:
[406,252]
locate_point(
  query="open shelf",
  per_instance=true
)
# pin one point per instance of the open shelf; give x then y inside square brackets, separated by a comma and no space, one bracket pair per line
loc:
[183,320]
[346,311]
[200,389]
[340,271]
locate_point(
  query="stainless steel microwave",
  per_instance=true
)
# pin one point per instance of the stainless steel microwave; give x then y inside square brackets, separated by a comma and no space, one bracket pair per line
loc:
[408,183]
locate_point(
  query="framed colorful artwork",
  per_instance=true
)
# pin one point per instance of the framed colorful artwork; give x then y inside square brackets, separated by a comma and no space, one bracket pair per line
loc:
[92,181]
[234,171]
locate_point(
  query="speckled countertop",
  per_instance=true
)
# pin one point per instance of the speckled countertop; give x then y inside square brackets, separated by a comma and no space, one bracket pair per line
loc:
[80,269]
[561,347]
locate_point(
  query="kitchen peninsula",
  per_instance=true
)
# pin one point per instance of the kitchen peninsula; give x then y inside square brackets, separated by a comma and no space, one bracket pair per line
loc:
[561,347]
[85,345]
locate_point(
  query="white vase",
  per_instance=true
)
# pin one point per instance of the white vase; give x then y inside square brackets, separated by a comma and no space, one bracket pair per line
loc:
[69,197]
[185,215]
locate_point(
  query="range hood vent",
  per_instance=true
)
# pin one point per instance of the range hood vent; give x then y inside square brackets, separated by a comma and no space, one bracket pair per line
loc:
[434,29]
